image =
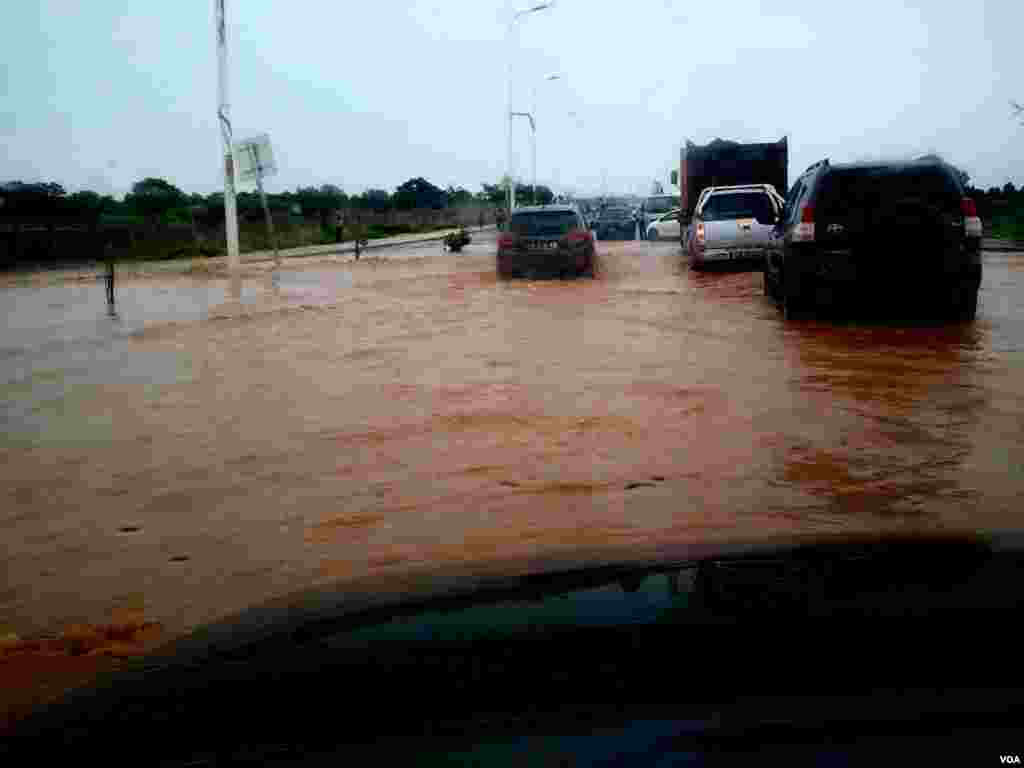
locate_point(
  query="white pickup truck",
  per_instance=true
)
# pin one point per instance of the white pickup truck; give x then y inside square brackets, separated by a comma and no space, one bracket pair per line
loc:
[734,224]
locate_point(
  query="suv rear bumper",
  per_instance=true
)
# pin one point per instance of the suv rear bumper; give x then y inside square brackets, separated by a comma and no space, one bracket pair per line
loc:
[543,262]
[846,266]
[611,230]
[732,254]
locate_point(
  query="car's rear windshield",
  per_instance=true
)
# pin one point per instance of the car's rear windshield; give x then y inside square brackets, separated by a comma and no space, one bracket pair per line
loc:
[738,205]
[874,186]
[543,223]
[661,204]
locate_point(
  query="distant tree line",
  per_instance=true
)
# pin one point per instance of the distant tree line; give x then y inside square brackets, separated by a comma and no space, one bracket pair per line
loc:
[994,202]
[41,224]
[157,201]
[1000,208]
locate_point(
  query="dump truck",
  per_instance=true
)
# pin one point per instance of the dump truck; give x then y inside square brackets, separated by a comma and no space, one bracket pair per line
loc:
[726,163]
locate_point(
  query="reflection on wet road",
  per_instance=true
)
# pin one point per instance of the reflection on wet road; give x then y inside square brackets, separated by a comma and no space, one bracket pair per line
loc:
[362,420]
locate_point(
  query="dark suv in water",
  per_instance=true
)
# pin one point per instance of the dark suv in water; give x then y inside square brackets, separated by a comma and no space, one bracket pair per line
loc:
[874,226]
[549,239]
[617,221]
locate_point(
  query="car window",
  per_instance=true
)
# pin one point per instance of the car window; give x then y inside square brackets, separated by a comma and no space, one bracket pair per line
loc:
[869,187]
[738,205]
[793,202]
[544,223]
[289,338]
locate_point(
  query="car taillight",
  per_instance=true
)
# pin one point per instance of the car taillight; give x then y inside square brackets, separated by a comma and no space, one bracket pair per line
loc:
[700,233]
[506,241]
[804,231]
[579,236]
[968,207]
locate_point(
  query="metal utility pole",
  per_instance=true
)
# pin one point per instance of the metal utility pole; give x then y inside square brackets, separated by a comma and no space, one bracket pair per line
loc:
[223,117]
[533,144]
[533,111]
[508,96]
[533,153]
[255,150]
[508,118]
[533,147]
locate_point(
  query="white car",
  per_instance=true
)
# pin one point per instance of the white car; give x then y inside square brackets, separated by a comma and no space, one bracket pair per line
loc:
[665,227]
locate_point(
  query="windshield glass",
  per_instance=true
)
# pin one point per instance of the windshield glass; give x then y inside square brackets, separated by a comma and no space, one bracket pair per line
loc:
[738,205]
[377,297]
[661,204]
[547,223]
[870,186]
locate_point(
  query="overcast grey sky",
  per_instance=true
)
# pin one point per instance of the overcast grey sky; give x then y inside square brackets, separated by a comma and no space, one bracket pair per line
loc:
[368,94]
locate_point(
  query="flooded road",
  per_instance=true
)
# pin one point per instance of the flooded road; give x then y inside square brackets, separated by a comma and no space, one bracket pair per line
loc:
[215,446]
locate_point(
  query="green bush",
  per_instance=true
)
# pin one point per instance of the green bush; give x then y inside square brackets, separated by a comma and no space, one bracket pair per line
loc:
[1009,225]
[178,216]
[115,220]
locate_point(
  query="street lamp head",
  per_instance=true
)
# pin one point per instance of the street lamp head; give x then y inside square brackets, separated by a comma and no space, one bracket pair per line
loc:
[554,76]
[534,9]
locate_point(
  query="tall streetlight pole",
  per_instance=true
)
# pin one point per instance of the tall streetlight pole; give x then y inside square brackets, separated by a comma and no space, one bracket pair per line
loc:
[578,123]
[508,97]
[533,147]
[223,117]
[533,111]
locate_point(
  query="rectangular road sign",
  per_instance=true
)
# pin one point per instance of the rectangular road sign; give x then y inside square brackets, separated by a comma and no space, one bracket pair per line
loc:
[254,157]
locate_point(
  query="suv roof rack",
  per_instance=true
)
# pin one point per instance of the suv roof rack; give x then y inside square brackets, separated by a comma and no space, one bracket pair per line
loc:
[731,187]
[760,187]
[818,164]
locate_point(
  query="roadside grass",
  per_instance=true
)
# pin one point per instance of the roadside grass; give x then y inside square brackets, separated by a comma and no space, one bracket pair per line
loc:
[376,231]
[131,245]
[255,239]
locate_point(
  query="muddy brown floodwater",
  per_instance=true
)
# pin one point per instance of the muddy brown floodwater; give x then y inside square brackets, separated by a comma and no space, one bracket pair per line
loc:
[354,421]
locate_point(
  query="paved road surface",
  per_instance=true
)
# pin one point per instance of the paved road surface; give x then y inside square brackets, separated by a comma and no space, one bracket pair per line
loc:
[343,422]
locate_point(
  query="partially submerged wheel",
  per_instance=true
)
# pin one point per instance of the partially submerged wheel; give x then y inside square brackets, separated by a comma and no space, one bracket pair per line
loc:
[797,293]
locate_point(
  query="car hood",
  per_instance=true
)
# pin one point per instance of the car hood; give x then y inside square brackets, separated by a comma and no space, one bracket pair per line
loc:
[339,608]
[343,639]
